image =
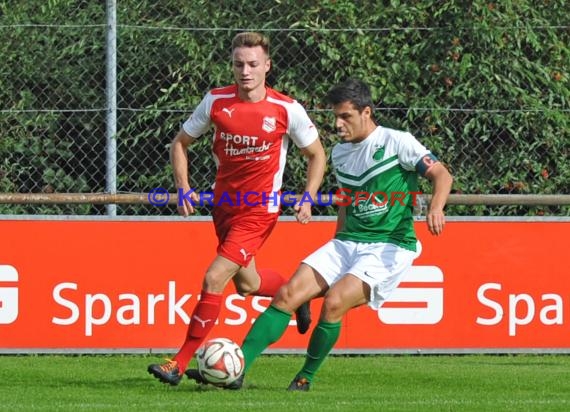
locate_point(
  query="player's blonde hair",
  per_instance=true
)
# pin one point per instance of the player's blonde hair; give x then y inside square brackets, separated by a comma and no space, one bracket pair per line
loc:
[251,39]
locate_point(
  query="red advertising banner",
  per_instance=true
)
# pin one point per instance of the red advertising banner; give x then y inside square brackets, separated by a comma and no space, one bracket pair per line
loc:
[131,285]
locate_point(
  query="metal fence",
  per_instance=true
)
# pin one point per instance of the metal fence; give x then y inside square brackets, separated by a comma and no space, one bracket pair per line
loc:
[83,134]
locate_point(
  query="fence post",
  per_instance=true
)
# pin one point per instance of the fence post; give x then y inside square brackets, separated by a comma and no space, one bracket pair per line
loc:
[111,89]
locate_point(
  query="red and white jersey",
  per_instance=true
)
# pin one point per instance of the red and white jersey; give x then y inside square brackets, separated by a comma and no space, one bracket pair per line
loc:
[250,144]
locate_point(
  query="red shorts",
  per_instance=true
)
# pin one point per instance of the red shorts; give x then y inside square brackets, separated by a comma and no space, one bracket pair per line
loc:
[241,236]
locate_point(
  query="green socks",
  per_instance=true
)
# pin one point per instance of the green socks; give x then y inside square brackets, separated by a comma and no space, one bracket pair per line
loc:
[271,325]
[322,341]
[267,329]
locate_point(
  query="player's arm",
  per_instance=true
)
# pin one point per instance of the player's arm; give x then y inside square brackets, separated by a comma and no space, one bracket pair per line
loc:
[179,161]
[316,163]
[441,181]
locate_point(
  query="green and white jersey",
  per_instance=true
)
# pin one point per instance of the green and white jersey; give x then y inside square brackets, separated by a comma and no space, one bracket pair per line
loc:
[377,178]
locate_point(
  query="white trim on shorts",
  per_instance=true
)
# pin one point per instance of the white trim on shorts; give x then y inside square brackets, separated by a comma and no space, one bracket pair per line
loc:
[380,265]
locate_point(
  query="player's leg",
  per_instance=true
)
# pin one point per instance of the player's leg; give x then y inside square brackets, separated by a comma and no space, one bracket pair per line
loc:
[202,320]
[240,241]
[267,282]
[258,282]
[373,275]
[268,328]
[247,235]
[345,294]
[240,238]
[272,323]
[312,279]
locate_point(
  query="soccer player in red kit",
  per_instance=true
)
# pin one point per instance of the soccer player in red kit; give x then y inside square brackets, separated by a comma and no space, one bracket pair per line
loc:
[253,127]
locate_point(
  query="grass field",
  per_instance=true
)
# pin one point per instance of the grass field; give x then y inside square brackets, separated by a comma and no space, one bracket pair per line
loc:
[347,383]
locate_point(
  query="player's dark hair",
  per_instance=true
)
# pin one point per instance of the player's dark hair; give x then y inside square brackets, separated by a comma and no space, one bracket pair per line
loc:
[351,90]
[251,39]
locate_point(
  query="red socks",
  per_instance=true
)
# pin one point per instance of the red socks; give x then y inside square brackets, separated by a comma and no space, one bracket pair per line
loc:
[207,311]
[202,321]
[271,281]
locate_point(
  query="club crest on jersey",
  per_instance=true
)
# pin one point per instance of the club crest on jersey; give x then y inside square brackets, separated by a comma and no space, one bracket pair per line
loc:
[379,153]
[269,124]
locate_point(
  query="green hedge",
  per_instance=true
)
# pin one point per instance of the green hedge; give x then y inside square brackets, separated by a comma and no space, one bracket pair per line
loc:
[485,86]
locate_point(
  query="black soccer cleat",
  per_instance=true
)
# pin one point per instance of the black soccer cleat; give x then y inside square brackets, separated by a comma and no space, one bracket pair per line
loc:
[235,385]
[166,373]
[195,375]
[303,315]
[300,384]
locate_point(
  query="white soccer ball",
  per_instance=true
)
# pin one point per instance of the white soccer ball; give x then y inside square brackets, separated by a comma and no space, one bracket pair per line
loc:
[220,361]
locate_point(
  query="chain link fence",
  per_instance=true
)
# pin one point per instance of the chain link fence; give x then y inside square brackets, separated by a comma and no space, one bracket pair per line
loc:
[54,106]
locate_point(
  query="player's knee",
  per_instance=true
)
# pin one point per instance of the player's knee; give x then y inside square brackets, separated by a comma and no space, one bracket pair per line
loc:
[244,290]
[333,307]
[214,282]
[285,298]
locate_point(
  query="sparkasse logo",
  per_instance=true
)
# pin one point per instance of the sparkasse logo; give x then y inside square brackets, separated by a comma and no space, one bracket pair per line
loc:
[418,300]
[8,294]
